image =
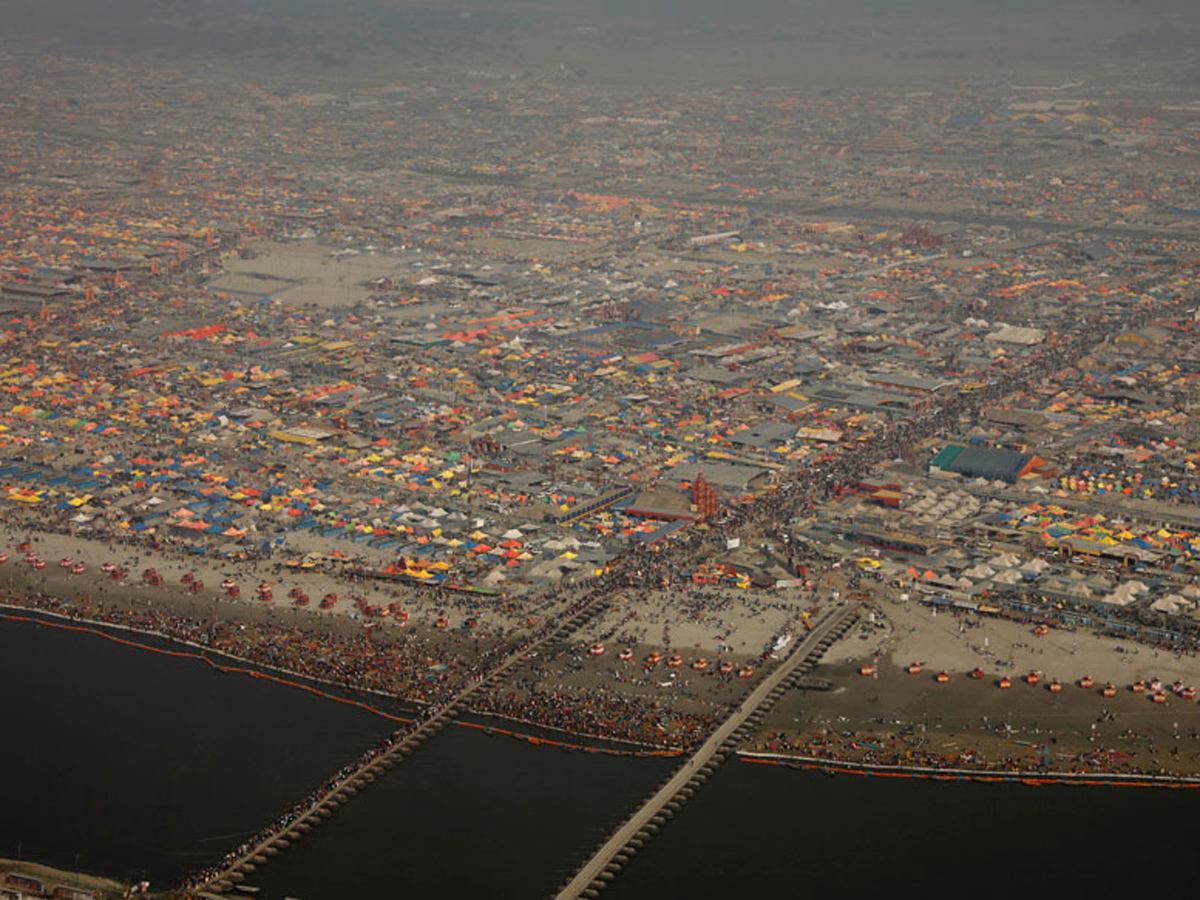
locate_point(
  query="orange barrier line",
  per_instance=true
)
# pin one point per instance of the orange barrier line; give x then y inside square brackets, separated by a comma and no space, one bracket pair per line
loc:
[183,654]
[1128,781]
[254,673]
[537,741]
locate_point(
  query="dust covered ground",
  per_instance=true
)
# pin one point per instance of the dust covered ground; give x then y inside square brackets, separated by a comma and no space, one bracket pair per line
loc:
[897,717]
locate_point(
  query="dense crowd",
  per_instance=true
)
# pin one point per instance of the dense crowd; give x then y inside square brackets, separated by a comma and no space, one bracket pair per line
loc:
[998,749]
[601,712]
[398,663]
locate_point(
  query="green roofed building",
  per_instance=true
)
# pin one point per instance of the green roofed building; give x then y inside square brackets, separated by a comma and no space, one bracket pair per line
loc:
[989,463]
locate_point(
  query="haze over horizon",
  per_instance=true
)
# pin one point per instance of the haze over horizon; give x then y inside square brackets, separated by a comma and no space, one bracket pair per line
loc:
[623,39]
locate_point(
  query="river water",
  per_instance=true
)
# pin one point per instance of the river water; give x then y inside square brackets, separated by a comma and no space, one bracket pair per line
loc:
[126,763]
[775,831]
[138,763]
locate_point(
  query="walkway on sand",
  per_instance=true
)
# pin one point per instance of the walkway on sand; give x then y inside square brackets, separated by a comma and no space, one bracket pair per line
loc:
[629,837]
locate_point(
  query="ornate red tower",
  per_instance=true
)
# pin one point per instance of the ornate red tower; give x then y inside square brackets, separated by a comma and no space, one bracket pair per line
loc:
[705,497]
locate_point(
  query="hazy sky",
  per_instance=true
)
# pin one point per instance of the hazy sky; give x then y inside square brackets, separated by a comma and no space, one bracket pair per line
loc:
[536,32]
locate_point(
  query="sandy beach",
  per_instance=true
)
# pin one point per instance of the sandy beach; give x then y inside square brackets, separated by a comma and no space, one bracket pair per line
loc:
[908,632]
[424,607]
[894,717]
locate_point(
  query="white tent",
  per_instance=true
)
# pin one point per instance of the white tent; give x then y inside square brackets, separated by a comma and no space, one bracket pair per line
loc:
[1011,576]
[982,570]
[1172,604]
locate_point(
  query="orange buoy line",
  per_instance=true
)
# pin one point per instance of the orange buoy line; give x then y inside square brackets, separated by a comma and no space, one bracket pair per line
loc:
[1062,778]
[564,745]
[203,657]
[255,673]
[117,626]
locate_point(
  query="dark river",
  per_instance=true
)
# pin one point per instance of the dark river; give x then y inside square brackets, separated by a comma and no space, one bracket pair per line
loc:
[129,763]
[136,762]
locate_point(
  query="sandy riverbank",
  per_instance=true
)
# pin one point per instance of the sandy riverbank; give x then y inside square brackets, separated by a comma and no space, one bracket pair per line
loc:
[894,716]
[718,625]
[495,616]
[909,632]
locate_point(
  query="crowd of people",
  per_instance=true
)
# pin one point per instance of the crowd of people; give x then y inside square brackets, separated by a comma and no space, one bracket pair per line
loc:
[994,748]
[601,712]
[398,663]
